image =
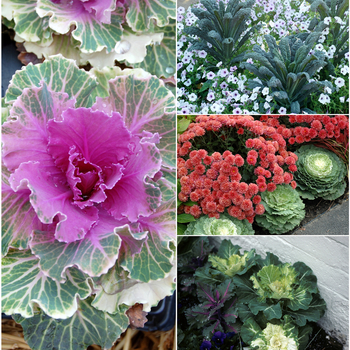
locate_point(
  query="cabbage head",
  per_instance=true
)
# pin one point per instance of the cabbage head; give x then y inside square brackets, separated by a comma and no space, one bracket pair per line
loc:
[320,174]
[225,226]
[282,336]
[284,210]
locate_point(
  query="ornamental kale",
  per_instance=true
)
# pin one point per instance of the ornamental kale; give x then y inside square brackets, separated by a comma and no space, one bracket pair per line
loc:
[277,290]
[97,32]
[284,210]
[225,226]
[216,310]
[333,14]
[88,201]
[282,336]
[287,69]
[223,27]
[321,173]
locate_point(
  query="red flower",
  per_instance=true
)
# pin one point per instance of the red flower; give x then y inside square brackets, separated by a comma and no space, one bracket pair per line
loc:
[322,134]
[212,174]
[293,168]
[202,153]
[249,143]
[216,156]
[195,211]
[256,199]
[259,209]
[200,169]
[291,140]
[211,207]
[246,204]
[293,184]
[239,160]
[242,188]
[271,187]
[251,160]
[182,171]
[240,131]
[299,139]
[316,124]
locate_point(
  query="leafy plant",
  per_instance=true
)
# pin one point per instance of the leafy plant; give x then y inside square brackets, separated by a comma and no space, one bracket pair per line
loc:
[282,336]
[277,290]
[226,225]
[87,195]
[332,13]
[223,27]
[284,210]
[287,69]
[275,303]
[321,173]
[216,310]
[97,32]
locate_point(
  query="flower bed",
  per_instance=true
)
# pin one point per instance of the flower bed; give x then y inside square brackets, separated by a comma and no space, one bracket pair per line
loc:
[248,169]
[273,57]
[230,299]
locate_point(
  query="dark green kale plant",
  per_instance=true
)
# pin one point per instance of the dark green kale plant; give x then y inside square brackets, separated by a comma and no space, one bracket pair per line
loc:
[287,69]
[224,27]
[338,33]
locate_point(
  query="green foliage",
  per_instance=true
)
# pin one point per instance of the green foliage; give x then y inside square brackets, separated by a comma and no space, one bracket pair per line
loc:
[338,34]
[321,173]
[274,302]
[225,226]
[222,27]
[287,68]
[284,210]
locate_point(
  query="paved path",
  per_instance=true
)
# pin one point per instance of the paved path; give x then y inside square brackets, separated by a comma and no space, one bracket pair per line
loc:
[332,222]
[186,3]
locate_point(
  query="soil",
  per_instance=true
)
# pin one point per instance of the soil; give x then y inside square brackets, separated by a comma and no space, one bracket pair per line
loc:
[320,340]
[313,209]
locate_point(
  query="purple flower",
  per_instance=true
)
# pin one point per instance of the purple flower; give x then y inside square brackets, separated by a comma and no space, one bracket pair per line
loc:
[218,338]
[205,345]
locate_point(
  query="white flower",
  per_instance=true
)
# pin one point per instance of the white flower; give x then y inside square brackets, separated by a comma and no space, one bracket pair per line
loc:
[190,67]
[268,98]
[244,98]
[256,106]
[342,99]
[319,47]
[282,110]
[266,105]
[253,96]
[202,54]
[327,20]
[257,89]
[237,110]
[180,26]
[210,75]
[321,39]
[219,64]
[344,70]
[192,97]
[338,20]
[181,10]
[332,48]
[324,99]
[327,90]
[265,91]
[339,82]
[210,96]
[188,82]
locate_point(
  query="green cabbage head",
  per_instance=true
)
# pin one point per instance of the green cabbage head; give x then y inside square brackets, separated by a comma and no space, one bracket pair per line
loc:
[321,173]
[274,337]
[275,282]
[225,226]
[284,210]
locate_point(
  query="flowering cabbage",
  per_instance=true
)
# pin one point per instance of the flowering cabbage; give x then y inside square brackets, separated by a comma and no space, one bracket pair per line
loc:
[277,290]
[284,210]
[225,226]
[88,201]
[234,263]
[98,32]
[321,173]
[282,336]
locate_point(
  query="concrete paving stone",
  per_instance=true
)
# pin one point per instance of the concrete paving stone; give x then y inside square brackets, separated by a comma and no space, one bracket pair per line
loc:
[333,222]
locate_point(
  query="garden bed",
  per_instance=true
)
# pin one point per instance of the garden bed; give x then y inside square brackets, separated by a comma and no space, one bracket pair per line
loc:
[222,72]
